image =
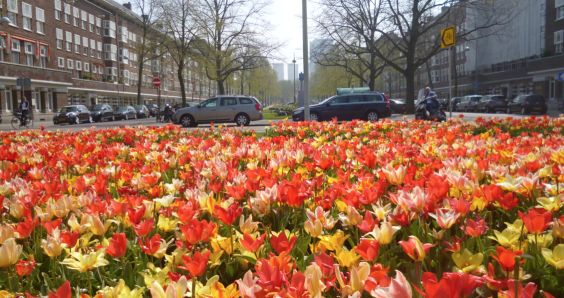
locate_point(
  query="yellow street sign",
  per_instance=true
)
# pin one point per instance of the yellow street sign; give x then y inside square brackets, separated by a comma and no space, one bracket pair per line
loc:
[448,37]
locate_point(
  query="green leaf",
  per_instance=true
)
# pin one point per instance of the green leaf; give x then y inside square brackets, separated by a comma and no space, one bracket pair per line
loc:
[246,258]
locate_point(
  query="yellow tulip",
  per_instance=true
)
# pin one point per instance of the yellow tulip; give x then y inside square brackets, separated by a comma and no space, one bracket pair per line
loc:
[544,240]
[175,258]
[468,262]
[166,224]
[84,263]
[516,227]
[395,177]
[551,204]
[173,290]
[313,280]
[247,226]
[53,246]
[96,226]
[313,228]
[359,274]
[347,258]
[220,291]
[555,258]
[6,232]
[507,238]
[438,236]
[384,233]
[558,228]
[225,244]
[155,273]
[9,253]
[335,241]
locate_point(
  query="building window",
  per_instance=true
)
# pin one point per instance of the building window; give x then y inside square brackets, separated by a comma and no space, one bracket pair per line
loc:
[26,13]
[13,12]
[67,13]
[77,44]
[59,38]
[70,64]
[15,45]
[84,19]
[109,29]
[558,40]
[15,57]
[40,20]
[123,34]
[29,60]
[57,9]
[86,67]
[28,48]
[123,56]
[43,62]
[560,13]
[110,52]
[85,50]
[61,63]
[68,41]
[92,52]
[76,15]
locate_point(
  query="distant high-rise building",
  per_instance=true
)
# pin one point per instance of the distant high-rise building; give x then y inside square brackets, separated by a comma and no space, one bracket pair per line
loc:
[279,68]
[291,70]
[317,48]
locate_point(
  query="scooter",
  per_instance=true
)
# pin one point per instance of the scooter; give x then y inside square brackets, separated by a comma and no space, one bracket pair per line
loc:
[421,112]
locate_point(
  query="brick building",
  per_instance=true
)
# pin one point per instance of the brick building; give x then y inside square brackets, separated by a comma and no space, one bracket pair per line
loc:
[527,58]
[83,52]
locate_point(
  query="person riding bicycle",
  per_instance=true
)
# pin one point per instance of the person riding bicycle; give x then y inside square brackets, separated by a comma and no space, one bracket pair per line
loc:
[166,112]
[24,107]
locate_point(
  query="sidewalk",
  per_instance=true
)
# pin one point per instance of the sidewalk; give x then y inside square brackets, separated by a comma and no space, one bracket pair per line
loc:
[37,117]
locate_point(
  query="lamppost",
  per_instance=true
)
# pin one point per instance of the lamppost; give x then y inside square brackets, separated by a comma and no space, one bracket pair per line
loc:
[5,20]
[294,61]
[467,49]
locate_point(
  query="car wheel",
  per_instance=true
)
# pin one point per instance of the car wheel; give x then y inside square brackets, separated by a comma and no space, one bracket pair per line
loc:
[242,120]
[372,116]
[508,110]
[313,117]
[90,119]
[187,121]
[76,120]
[523,111]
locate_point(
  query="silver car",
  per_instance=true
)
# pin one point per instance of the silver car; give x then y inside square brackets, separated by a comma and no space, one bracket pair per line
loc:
[224,108]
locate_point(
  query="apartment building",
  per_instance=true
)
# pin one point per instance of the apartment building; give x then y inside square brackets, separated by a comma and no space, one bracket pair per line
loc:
[527,57]
[83,52]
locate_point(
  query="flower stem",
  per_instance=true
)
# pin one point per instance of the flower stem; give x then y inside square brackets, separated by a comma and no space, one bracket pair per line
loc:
[231,238]
[194,287]
[418,276]
[516,275]
[89,283]
[9,279]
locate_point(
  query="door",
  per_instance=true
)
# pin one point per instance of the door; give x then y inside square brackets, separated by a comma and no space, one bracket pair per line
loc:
[462,104]
[374,101]
[207,110]
[132,113]
[335,108]
[356,108]
[84,114]
[227,108]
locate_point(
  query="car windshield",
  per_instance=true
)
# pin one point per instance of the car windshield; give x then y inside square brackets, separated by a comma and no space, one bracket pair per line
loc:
[327,100]
[536,98]
[498,98]
[122,109]
[138,108]
[477,98]
[97,108]
[69,109]
[399,101]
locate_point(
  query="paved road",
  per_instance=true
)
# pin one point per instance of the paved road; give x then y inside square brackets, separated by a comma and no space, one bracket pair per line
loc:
[258,126]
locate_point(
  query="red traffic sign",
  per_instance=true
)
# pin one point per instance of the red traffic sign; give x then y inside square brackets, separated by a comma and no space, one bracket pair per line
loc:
[156,82]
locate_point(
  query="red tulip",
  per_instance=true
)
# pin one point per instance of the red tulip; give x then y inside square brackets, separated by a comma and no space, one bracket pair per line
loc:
[527,292]
[475,229]
[297,287]
[536,222]
[325,262]
[367,225]
[24,228]
[52,225]
[506,258]
[456,245]
[118,245]
[70,239]
[152,245]
[24,268]
[197,231]
[143,229]
[508,201]
[449,286]
[228,216]
[135,216]
[492,283]
[63,292]
[196,264]
[469,283]
[415,249]
[368,249]
[251,244]
[281,244]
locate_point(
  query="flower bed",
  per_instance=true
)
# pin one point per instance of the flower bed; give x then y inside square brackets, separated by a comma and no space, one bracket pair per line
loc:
[358,209]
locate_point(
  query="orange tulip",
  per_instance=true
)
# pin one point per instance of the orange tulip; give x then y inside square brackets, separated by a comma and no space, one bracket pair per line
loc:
[228,216]
[536,222]
[506,258]
[117,246]
[251,244]
[196,264]
[415,249]
[368,249]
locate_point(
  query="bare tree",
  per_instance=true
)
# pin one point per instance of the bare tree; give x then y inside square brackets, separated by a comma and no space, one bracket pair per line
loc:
[412,29]
[178,21]
[146,46]
[233,37]
[352,26]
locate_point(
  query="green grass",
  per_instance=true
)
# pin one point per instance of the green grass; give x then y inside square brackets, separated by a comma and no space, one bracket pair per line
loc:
[270,115]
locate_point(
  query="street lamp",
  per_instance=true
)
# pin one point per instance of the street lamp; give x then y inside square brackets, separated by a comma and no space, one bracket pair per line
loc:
[467,49]
[5,20]
[294,61]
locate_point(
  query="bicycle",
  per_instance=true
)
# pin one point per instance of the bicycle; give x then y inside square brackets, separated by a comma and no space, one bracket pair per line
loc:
[17,121]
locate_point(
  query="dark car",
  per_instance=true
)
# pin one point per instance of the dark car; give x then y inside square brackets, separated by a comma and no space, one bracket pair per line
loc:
[397,106]
[527,103]
[492,103]
[368,106]
[468,103]
[101,113]
[153,108]
[443,104]
[142,111]
[125,112]
[0,119]
[74,114]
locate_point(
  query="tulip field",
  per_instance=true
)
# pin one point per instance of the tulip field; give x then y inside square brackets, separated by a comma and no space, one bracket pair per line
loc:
[354,209]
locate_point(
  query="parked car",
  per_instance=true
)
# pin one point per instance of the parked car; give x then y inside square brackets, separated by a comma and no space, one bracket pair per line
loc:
[443,104]
[397,106]
[239,109]
[0,119]
[153,108]
[125,112]
[103,112]
[142,111]
[368,106]
[73,114]
[179,106]
[492,103]
[527,103]
[468,103]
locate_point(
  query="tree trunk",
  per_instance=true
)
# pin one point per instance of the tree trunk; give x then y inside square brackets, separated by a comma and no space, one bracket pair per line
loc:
[410,90]
[429,75]
[220,87]
[140,76]
[181,79]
